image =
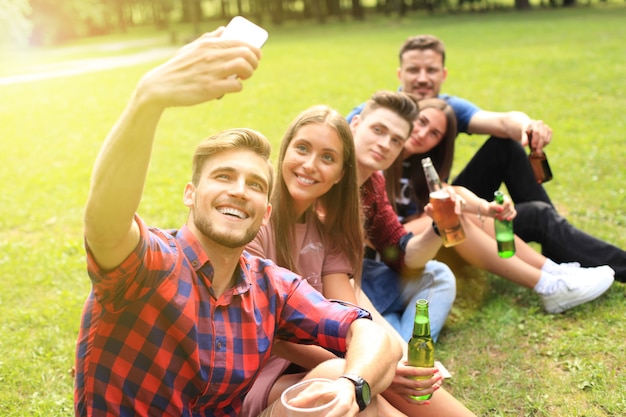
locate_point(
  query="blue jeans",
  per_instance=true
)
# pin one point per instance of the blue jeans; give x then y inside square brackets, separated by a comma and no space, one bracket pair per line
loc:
[394,297]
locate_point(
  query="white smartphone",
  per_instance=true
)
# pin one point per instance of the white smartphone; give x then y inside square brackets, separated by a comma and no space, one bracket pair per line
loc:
[241,29]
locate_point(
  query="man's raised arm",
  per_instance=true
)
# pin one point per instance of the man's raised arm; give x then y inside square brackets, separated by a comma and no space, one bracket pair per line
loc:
[514,124]
[200,71]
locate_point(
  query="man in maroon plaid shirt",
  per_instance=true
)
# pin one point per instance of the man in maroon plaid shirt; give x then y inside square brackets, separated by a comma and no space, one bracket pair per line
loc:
[398,268]
[179,322]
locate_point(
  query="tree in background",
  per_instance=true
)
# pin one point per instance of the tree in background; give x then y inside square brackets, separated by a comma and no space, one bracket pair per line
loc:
[14,25]
[56,21]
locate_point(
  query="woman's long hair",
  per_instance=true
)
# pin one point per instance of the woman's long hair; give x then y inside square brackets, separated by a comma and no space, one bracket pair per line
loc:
[441,154]
[337,213]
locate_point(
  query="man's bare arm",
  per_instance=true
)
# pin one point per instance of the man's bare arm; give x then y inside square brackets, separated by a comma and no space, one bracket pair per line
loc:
[373,353]
[199,72]
[513,124]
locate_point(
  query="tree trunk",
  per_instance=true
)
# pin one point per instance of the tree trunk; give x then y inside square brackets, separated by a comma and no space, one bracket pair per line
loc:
[121,18]
[357,10]
[276,11]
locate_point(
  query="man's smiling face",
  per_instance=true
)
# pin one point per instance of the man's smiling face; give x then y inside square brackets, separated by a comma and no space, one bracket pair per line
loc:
[378,139]
[422,73]
[230,202]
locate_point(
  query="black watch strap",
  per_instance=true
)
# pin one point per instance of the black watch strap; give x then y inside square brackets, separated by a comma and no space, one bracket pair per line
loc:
[361,389]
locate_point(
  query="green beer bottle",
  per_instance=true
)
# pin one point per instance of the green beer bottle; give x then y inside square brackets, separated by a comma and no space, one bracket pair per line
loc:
[421,346]
[504,231]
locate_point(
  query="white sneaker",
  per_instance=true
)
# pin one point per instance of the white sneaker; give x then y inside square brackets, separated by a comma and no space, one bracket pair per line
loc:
[569,265]
[578,288]
[592,271]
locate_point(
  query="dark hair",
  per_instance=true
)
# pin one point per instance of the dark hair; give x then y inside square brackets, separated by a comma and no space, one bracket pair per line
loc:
[424,42]
[398,102]
[442,156]
[336,213]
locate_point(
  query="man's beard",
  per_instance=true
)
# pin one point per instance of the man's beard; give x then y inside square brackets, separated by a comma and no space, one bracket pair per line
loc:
[224,239]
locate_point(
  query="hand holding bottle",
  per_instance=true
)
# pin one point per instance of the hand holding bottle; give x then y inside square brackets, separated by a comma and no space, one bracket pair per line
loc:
[504,211]
[473,204]
[459,202]
[538,162]
[411,381]
[537,129]
[421,348]
[444,211]
[503,230]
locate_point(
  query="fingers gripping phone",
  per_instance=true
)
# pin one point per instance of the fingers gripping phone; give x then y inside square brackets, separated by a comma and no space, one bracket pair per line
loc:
[241,29]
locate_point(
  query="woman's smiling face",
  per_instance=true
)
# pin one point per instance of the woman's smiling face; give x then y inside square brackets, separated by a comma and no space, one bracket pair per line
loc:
[313,163]
[428,130]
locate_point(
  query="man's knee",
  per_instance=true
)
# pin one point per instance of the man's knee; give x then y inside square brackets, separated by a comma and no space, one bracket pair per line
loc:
[536,213]
[442,275]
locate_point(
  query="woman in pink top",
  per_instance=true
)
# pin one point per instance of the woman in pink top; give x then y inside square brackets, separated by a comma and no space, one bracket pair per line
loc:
[316,230]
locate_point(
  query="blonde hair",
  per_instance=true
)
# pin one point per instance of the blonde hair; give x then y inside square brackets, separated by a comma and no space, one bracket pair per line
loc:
[240,138]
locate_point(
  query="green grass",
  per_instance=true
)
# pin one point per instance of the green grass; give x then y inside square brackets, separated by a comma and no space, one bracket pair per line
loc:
[508,358]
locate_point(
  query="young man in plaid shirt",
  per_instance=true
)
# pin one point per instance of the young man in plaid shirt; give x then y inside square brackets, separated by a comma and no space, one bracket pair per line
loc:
[179,322]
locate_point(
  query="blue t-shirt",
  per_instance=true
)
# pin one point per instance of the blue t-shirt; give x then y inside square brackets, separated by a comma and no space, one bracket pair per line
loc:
[464,110]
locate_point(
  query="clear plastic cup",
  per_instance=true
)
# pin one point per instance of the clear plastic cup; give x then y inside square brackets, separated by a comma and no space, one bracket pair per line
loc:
[319,399]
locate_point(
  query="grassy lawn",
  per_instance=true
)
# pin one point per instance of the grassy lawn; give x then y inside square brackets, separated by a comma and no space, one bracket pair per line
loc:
[508,358]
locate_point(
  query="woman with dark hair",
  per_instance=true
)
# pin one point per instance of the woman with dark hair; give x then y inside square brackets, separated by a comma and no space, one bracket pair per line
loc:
[559,286]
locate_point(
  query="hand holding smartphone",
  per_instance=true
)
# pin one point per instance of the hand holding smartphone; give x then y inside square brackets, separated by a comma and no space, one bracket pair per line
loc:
[241,29]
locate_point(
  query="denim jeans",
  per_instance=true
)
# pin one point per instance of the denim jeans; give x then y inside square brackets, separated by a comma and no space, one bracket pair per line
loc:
[394,297]
[505,161]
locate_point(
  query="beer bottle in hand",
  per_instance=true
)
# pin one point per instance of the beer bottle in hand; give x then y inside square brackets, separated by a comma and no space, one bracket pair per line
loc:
[447,221]
[539,163]
[421,347]
[504,231]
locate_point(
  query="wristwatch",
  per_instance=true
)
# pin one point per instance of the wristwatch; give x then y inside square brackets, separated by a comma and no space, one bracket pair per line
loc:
[361,389]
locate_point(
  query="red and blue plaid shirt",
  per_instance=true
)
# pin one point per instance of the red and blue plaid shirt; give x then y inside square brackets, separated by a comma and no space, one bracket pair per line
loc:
[154,340]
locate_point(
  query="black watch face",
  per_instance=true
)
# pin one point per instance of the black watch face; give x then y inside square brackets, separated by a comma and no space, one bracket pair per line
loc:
[362,390]
[367,394]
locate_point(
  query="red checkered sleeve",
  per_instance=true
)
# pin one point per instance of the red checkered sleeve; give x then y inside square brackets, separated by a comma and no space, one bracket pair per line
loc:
[154,339]
[307,317]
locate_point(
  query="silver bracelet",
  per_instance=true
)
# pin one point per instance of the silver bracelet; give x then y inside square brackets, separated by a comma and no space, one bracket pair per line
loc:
[480,215]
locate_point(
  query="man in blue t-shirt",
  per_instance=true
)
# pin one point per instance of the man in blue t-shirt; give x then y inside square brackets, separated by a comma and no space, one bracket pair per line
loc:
[422,72]
[503,159]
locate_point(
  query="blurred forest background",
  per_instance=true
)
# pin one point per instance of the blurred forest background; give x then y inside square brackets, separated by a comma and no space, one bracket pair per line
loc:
[53,22]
